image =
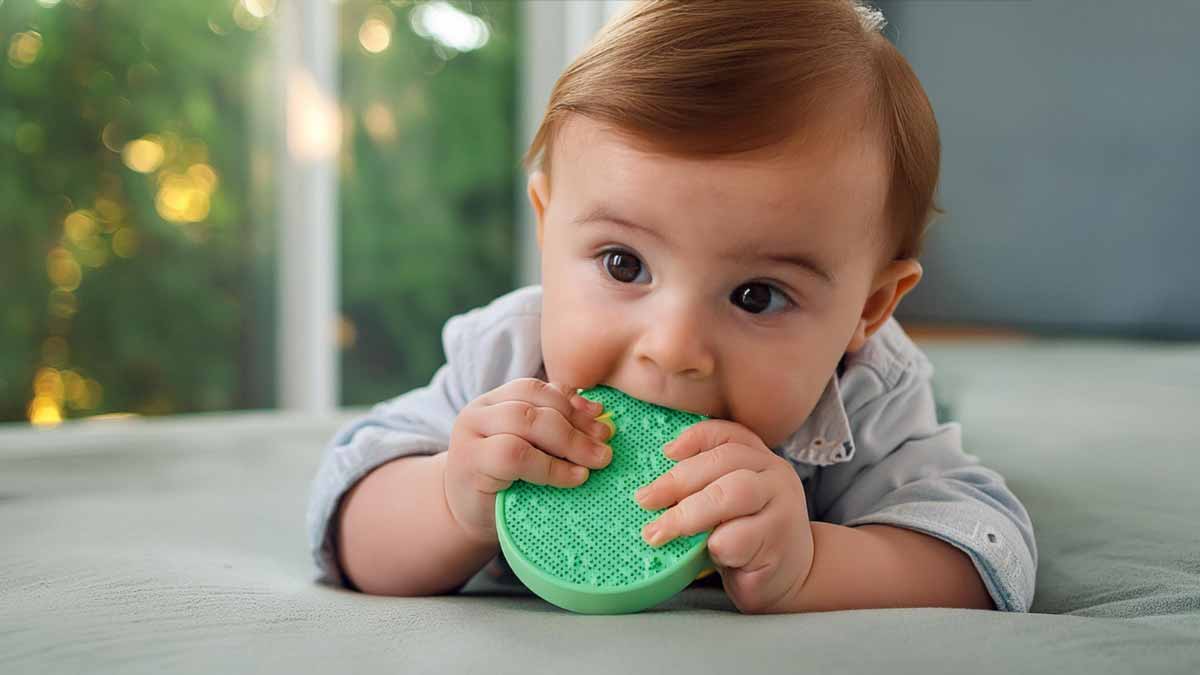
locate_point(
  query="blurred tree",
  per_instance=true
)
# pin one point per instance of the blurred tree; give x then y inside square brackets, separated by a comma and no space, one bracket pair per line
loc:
[137,169]
[132,275]
[428,176]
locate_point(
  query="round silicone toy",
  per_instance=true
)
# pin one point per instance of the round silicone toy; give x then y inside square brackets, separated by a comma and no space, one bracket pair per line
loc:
[581,548]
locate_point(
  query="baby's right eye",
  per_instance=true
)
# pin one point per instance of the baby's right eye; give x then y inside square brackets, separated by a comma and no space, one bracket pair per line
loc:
[624,266]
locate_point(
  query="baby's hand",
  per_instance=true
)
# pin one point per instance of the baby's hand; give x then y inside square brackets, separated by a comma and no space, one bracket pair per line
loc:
[728,481]
[519,431]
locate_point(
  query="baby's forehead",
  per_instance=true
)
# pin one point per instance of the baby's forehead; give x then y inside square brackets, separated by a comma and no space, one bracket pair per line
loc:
[812,173]
[830,145]
[826,194]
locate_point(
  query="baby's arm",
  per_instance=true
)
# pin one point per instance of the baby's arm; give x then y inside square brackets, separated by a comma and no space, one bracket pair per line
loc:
[376,505]
[912,517]
[403,502]
[444,529]
[873,566]
[409,546]
[377,501]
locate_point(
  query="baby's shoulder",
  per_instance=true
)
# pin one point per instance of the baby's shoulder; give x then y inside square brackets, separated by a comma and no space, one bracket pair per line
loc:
[517,307]
[888,360]
[497,342]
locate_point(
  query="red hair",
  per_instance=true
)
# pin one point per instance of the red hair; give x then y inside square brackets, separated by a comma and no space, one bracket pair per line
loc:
[714,77]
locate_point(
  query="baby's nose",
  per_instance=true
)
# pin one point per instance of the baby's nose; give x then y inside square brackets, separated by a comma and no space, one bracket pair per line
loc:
[676,342]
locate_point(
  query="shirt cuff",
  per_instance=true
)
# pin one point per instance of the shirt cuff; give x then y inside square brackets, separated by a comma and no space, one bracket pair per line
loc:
[993,542]
[340,469]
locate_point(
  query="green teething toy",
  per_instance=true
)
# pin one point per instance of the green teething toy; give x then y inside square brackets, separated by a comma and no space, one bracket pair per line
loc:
[581,548]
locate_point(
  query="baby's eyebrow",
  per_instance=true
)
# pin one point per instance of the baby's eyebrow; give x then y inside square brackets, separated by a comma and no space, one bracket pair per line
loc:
[802,260]
[756,253]
[602,213]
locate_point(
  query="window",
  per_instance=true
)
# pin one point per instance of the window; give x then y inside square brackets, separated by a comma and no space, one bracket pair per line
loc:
[236,204]
[136,174]
[428,181]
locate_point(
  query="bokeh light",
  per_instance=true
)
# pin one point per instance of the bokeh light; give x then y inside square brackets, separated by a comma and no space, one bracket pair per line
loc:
[63,269]
[24,48]
[79,225]
[260,9]
[48,382]
[449,26]
[144,154]
[74,387]
[92,253]
[81,393]
[44,412]
[374,35]
[124,242]
[246,19]
[204,176]
[314,126]
[109,209]
[183,198]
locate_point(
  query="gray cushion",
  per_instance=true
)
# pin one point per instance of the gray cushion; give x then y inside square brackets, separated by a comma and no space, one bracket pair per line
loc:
[179,546]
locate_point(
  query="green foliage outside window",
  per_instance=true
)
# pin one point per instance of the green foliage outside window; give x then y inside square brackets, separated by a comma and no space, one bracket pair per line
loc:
[428,217]
[138,174]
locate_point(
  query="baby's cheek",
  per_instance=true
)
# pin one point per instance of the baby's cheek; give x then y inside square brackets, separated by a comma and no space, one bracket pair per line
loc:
[773,404]
[577,352]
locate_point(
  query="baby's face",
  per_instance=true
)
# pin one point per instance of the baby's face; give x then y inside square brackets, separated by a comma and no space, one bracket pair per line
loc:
[727,287]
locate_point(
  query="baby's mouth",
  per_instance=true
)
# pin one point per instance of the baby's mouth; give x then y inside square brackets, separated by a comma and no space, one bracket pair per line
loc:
[666,402]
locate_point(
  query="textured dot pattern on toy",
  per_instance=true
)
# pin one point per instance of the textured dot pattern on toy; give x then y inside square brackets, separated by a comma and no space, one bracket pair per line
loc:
[591,534]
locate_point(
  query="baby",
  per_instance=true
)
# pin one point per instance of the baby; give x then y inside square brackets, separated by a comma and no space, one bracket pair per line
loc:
[730,201]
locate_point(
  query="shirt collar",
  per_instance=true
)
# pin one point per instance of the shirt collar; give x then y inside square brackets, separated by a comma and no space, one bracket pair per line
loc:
[824,438]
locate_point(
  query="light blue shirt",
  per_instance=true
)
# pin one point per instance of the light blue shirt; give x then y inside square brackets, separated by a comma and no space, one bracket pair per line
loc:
[871,451]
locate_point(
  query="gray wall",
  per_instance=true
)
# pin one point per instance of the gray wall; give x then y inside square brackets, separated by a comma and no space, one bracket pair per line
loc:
[1070,165]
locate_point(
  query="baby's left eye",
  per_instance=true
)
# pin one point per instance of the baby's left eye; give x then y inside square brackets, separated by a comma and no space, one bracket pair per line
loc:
[757,298]
[623,266]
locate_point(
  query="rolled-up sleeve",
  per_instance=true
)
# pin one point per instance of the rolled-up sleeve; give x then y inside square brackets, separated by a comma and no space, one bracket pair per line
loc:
[418,422]
[484,348]
[910,471]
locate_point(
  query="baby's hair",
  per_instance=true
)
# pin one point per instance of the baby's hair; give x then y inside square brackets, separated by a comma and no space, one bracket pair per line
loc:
[715,77]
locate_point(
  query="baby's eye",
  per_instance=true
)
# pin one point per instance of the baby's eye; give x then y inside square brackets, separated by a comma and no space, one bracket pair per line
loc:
[624,266]
[757,297]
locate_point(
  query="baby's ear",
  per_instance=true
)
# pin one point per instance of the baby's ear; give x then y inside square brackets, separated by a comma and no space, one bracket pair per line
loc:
[891,283]
[539,195]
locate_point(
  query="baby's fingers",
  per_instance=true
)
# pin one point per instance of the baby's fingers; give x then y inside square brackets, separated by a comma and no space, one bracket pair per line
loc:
[508,457]
[576,409]
[546,429]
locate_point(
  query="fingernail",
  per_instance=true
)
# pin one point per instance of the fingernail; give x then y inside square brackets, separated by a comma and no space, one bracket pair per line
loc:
[641,493]
[650,533]
[578,472]
[600,430]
